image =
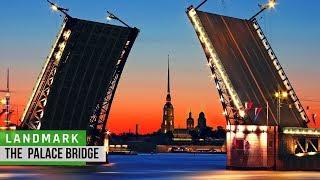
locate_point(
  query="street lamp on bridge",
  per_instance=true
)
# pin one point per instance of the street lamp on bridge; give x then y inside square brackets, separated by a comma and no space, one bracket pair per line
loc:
[56,8]
[280,95]
[112,16]
[270,5]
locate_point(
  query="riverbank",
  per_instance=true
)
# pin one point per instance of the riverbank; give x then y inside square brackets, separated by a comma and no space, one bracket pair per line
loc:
[191,149]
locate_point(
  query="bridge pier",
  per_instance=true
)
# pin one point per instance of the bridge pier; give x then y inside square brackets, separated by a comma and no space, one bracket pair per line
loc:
[251,147]
[272,148]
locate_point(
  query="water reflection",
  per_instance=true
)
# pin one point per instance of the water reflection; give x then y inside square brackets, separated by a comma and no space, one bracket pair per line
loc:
[146,166]
[257,175]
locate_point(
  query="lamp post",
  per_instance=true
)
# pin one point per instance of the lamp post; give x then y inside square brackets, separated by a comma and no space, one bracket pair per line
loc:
[112,16]
[279,96]
[106,139]
[55,7]
[270,5]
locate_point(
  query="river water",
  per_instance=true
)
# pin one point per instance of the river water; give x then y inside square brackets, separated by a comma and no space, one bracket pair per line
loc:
[152,166]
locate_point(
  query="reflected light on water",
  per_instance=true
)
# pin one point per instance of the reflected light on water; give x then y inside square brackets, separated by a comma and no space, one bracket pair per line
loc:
[109,164]
[230,174]
[155,166]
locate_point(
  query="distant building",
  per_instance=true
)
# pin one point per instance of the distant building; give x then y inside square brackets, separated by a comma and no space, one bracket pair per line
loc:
[190,122]
[168,113]
[181,134]
[202,122]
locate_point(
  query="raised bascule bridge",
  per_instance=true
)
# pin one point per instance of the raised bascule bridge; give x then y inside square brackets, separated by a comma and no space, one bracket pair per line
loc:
[78,81]
[267,127]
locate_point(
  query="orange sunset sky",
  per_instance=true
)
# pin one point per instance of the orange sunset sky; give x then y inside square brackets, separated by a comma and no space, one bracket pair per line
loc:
[142,89]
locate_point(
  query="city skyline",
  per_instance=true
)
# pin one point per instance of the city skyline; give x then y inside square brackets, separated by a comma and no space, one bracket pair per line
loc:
[142,84]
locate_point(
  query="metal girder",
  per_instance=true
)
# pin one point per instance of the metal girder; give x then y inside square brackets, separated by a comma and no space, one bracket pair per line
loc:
[35,121]
[279,69]
[31,118]
[229,98]
[98,120]
[229,111]
[306,146]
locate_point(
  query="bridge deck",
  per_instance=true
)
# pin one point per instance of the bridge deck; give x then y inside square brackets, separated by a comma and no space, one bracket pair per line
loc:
[250,68]
[75,80]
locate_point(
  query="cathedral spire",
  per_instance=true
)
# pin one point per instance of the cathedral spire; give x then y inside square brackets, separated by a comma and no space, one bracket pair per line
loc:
[168,88]
[168,85]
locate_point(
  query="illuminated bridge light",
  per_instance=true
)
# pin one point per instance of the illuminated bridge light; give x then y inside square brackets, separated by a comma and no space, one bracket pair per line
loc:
[241,128]
[263,128]
[312,153]
[251,128]
[306,154]
[301,131]
[247,128]
[242,113]
[54,7]
[66,34]
[203,37]
[62,46]
[272,4]
[300,154]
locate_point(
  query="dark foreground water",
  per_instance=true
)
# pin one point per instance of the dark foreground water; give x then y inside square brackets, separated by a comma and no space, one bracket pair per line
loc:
[147,166]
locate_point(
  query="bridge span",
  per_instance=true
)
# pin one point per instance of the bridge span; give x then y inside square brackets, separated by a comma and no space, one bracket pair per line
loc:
[266,123]
[77,83]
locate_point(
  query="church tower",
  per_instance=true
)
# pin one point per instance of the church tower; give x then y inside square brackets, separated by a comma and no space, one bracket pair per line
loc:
[190,122]
[202,122]
[168,114]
